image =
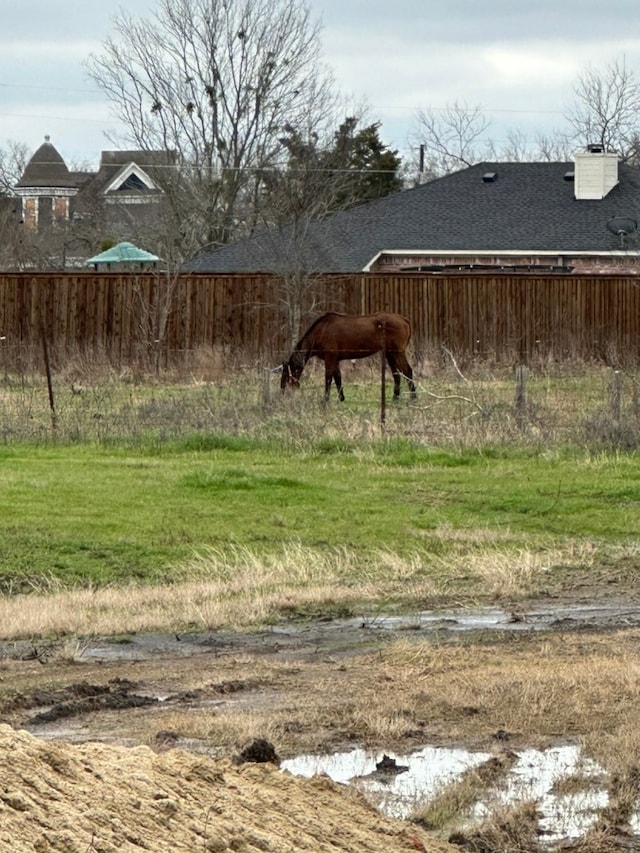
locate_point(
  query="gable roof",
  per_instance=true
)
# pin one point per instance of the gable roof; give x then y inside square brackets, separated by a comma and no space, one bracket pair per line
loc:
[117,166]
[488,207]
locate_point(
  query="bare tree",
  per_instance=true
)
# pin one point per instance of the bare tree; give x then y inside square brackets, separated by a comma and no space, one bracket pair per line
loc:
[215,81]
[457,136]
[450,138]
[553,147]
[321,177]
[13,159]
[607,110]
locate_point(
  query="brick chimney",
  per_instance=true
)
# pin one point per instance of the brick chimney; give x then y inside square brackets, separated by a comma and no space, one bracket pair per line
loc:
[596,173]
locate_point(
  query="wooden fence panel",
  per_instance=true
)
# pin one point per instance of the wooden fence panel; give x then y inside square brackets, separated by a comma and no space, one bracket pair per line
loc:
[489,315]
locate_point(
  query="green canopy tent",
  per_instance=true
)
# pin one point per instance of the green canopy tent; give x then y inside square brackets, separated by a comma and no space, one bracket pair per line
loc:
[124,256]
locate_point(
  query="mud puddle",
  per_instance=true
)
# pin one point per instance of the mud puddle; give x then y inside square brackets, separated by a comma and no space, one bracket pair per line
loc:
[403,785]
[550,617]
[355,635]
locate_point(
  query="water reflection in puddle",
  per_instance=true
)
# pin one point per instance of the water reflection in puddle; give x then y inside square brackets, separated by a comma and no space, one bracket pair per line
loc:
[489,618]
[534,776]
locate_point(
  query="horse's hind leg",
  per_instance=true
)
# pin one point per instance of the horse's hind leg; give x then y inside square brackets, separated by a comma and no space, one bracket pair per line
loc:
[332,374]
[392,359]
[400,367]
[407,372]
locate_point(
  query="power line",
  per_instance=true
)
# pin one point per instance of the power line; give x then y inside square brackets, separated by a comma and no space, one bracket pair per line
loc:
[187,166]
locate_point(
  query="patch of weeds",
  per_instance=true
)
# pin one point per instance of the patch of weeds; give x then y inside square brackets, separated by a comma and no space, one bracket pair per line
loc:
[509,831]
[237,479]
[334,446]
[602,430]
[457,799]
[204,442]
[20,583]
[408,454]
[576,783]
[119,640]
[327,611]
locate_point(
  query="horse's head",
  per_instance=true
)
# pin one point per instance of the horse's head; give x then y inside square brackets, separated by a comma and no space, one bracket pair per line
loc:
[291,372]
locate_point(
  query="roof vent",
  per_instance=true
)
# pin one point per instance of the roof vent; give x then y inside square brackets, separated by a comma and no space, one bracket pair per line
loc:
[489,177]
[569,176]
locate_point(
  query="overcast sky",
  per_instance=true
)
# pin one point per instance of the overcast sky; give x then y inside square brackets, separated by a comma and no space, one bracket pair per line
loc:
[518,61]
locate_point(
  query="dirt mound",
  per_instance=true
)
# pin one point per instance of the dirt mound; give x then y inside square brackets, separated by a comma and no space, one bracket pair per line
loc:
[103,798]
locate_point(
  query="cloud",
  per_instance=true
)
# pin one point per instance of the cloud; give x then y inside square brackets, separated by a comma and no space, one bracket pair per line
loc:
[518,61]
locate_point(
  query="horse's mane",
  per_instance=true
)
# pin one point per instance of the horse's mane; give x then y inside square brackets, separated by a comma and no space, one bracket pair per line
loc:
[317,322]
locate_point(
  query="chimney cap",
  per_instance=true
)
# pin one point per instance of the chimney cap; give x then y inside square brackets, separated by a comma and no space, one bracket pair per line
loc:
[595,148]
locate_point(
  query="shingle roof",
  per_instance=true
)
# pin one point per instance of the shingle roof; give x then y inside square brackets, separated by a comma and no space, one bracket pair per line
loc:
[528,207]
[111,162]
[46,168]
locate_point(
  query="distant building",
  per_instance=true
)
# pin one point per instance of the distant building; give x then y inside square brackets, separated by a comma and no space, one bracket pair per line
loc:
[122,200]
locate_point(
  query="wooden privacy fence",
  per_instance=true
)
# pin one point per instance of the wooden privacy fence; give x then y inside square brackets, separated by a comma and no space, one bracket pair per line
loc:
[125,317]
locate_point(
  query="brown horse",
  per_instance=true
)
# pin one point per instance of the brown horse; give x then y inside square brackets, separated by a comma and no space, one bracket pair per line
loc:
[334,337]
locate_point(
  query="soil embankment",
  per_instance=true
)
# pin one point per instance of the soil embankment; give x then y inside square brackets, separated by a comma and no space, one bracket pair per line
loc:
[98,797]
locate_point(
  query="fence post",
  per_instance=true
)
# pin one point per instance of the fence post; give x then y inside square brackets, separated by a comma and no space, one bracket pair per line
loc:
[615,394]
[266,386]
[522,375]
[383,382]
[47,365]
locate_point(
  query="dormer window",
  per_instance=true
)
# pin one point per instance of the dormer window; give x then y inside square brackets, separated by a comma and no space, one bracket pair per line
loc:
[130,178]
[133,182]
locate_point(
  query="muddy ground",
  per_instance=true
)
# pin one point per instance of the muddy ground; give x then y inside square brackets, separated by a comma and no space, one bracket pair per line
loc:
[135,743]
[121,689]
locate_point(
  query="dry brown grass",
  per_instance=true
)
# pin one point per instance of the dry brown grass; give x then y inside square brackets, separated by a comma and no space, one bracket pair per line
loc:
[233,588]
[511,830]
[238,587]
[557,686]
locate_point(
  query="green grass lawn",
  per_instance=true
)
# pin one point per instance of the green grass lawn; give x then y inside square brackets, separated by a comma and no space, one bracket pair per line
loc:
[88,514]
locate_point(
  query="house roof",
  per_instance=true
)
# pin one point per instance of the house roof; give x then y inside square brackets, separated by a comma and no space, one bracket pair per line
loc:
[123,253]
[46,168]
[526,207]
[148,165]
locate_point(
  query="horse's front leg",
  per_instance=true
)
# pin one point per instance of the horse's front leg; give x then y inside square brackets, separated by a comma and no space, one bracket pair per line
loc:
[400,367]
[328,379]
